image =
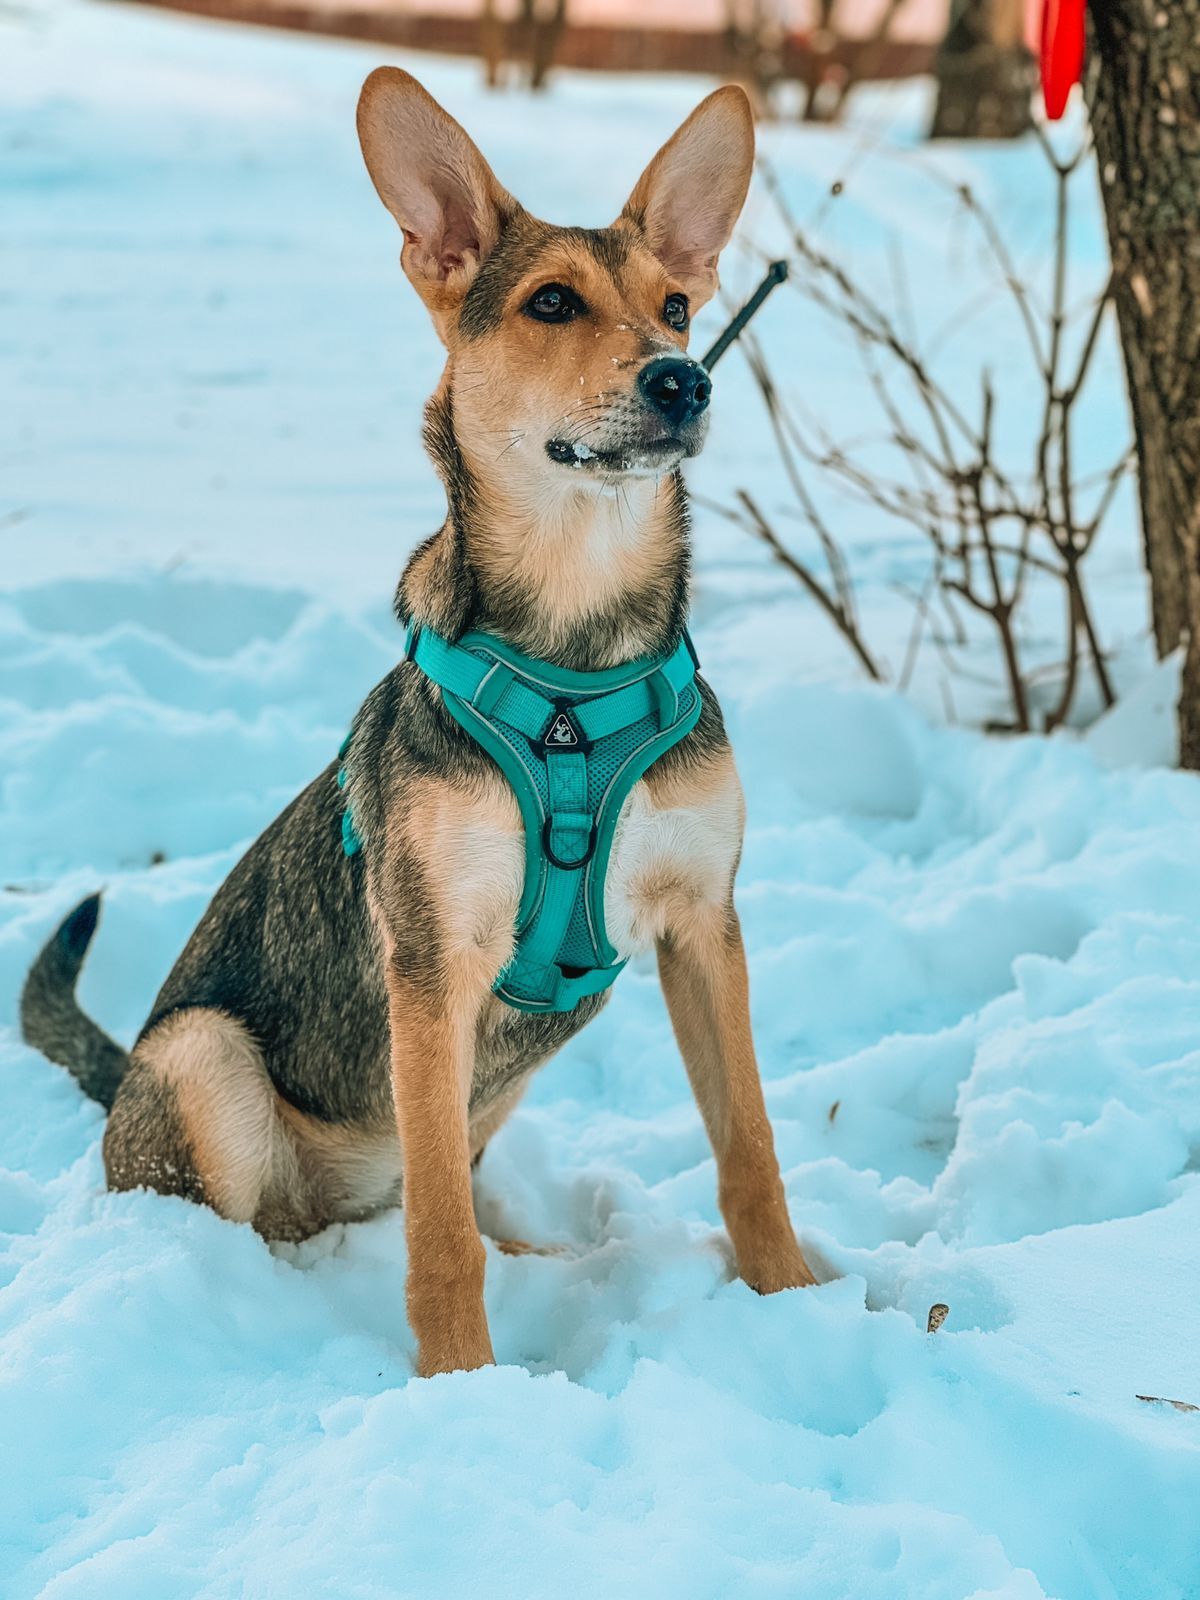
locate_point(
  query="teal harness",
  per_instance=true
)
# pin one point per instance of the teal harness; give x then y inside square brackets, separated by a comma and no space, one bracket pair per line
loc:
[572,745]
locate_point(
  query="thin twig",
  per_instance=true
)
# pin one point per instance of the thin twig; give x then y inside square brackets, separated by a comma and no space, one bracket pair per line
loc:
[837,613]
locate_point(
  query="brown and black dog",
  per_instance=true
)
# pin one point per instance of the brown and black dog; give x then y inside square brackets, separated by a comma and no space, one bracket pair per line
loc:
[328,1042]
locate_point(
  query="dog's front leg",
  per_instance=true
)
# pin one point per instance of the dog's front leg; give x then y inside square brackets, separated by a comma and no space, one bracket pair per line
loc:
[703,969]
[433,1050]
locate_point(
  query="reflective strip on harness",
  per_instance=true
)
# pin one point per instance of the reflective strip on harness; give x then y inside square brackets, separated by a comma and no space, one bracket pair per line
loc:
[572,745]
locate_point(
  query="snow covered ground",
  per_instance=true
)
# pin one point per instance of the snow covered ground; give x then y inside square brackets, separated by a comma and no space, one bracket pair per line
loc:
[975,963]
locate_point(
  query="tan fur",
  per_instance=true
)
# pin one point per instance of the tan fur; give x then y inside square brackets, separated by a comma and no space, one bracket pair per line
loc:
[574,543]
[348,1171]
[485,1125]
[691,194]
[703,970]
[433,1031]
[677,845]
[521,1247]
[441,191]
[480,832]
[225,1101]
[557,374]
[258,1158]
[576,548]
[432,1066]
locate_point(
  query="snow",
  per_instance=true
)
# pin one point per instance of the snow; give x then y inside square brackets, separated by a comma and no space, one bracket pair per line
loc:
[1142,728]
[975,962]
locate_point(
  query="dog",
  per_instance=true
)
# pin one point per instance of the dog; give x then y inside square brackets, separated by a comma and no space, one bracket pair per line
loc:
[330,1042]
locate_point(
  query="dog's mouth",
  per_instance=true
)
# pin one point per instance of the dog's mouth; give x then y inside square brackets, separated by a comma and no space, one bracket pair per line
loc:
[631,458]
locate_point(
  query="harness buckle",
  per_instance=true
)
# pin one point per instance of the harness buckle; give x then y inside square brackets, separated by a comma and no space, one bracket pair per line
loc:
[556,860]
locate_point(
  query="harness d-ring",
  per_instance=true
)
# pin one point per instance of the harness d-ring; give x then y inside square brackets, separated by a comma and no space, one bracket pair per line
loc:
[556,860]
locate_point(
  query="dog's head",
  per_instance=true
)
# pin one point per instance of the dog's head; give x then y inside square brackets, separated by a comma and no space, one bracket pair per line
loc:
[567,346]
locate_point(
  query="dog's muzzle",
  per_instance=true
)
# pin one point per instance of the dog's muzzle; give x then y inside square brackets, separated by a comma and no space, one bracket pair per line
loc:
[654,426]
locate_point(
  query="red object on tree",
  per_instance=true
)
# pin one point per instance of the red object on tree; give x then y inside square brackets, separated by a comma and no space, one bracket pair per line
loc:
[1061,53]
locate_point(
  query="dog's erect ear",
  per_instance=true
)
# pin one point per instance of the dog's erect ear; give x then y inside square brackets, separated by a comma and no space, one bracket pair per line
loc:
[435,183]
[690,196]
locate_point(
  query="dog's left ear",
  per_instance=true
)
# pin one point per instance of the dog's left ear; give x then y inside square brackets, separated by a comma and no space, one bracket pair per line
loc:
[690,196]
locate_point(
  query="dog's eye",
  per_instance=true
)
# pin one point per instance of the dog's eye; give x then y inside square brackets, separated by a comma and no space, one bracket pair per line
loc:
[675,312]
[553,302]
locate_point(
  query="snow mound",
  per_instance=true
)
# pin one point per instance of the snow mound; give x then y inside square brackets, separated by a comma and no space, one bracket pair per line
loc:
[1142,728]
[976,1003]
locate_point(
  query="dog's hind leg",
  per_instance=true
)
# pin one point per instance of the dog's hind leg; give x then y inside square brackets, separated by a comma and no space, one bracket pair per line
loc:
[197,1115]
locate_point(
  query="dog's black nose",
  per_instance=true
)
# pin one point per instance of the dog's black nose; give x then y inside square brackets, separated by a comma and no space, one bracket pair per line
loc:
[679,388]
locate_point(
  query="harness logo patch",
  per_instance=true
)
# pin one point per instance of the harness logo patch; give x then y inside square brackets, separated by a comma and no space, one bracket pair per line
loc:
[563,734]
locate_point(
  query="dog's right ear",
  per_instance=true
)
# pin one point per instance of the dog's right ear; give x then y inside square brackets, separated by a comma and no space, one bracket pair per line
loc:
[435,183]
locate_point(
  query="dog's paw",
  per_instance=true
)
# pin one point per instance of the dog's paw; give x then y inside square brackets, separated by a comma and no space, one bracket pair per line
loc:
[452,1335]
[784,1268]
[461,1356]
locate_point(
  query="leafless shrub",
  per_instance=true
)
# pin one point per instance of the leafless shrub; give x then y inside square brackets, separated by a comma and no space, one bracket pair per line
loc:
[990,524]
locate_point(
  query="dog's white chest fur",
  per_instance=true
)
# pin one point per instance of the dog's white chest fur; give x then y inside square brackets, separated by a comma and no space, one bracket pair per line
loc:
[666,859]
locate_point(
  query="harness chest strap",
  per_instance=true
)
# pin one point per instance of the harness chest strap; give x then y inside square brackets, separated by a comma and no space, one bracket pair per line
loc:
[572,745]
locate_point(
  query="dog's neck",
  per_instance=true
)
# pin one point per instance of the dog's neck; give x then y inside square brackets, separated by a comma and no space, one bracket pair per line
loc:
[580,575]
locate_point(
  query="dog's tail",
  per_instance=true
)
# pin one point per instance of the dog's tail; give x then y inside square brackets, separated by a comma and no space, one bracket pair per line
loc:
[51,1019]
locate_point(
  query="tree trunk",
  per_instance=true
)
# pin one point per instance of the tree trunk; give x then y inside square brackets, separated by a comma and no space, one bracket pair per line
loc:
[546,40]
[1144,92]
[984,72]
